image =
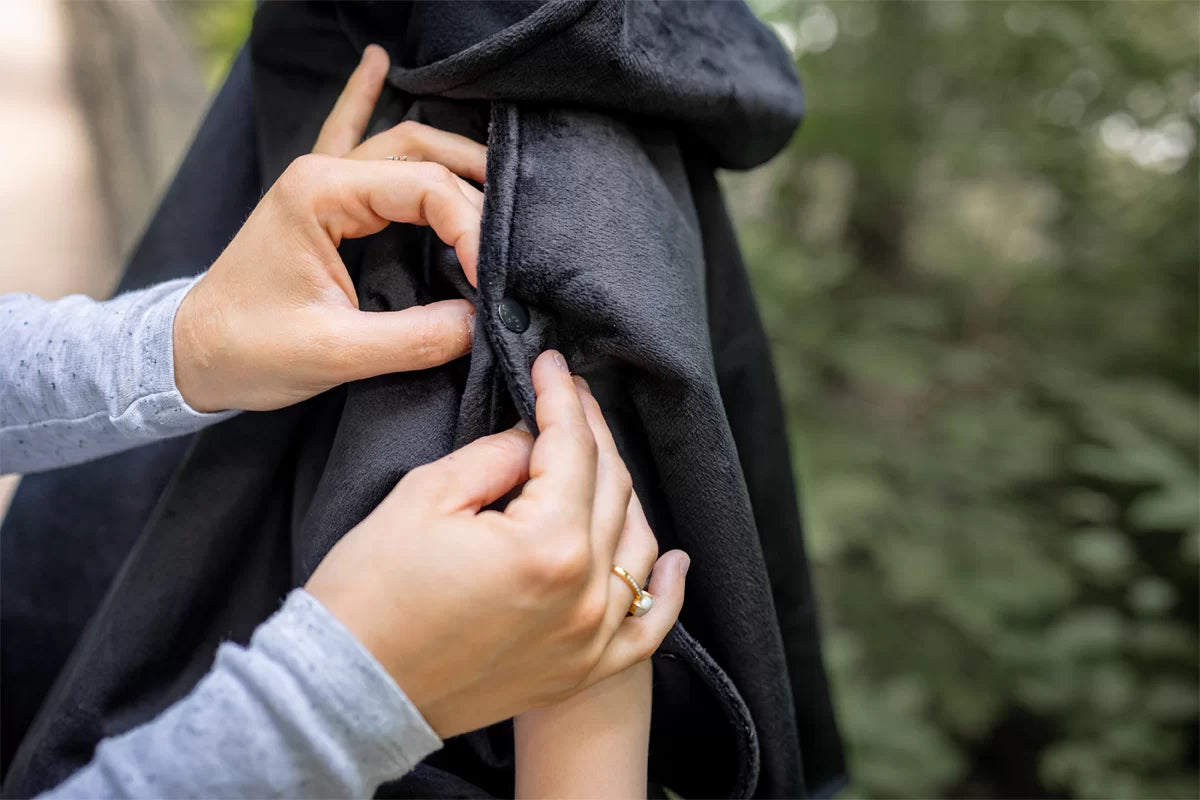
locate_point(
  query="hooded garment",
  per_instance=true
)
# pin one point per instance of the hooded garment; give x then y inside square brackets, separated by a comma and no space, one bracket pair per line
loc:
[604,235]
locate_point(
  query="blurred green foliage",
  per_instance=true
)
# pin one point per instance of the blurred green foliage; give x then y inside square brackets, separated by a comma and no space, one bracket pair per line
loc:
[217,29]
[978,263]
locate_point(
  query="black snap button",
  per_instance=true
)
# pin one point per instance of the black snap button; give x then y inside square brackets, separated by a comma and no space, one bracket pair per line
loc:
[513,314]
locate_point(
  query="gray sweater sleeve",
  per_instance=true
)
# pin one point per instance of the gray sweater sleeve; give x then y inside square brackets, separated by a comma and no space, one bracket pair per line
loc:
[81,378]
[305,711]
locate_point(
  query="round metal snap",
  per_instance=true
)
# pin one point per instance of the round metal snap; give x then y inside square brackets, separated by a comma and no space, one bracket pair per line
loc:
[513,314]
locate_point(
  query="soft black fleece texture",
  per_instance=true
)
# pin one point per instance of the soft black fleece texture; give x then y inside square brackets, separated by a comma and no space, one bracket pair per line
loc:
[604,123]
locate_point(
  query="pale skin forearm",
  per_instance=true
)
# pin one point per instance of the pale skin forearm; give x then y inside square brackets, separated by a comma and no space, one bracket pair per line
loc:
[593,745]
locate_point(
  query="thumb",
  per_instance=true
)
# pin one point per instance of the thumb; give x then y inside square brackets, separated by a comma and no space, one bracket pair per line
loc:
[383,342]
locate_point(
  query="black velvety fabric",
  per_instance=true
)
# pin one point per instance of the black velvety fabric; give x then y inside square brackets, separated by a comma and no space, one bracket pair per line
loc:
[604,122]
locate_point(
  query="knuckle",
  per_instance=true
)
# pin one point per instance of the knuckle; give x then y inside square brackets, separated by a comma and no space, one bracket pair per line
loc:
[303,167]
[647,542]
[589,614]
[299,179]
[410,129]
[428,341]
[651,548]
[575,560]
[580,437]
[559,565]
[622,479]
[436,173]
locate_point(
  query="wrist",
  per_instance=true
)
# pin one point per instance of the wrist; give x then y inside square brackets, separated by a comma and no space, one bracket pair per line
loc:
[361,623]
[191,337]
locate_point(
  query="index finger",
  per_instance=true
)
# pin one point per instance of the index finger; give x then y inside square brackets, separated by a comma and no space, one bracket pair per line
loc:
[418,142]
[346,123]
[358,198]
[562,466]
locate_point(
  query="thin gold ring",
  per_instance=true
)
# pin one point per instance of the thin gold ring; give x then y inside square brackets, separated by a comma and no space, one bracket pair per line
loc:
[642,600]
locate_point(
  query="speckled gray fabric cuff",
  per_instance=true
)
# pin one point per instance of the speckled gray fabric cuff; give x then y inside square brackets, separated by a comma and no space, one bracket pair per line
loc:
[82,378]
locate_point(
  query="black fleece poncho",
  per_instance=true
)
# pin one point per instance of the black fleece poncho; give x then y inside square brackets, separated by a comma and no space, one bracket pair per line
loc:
[603,235]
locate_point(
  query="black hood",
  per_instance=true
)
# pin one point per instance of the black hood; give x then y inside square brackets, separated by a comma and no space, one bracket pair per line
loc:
[711,68]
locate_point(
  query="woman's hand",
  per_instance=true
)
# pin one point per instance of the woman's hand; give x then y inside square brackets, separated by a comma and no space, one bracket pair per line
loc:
[275,320]
[480,615]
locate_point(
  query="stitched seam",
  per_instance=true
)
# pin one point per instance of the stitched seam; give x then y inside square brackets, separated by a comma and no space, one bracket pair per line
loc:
[499,335]
[509,201]
[718,681]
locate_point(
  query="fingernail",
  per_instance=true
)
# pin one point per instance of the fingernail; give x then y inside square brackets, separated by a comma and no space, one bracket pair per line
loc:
[684,563]
[522,426]
[582,383]
[471,328]
[561,362]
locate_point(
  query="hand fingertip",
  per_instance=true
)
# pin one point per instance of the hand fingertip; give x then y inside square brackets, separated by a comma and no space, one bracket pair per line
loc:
[374,64]
[459,306]
[373,51]
[551,360]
